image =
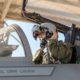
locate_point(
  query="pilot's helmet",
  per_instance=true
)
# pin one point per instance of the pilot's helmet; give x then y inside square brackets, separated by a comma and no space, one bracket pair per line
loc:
[35,30]
[43,27]
[50,26]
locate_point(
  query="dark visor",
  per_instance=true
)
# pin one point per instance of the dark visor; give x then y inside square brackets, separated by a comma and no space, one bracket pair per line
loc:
[35,34]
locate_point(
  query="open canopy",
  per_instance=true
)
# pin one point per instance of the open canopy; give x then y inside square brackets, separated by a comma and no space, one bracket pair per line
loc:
[62,11]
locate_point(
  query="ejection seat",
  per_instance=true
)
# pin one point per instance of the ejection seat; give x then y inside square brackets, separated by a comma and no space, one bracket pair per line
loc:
[70,36]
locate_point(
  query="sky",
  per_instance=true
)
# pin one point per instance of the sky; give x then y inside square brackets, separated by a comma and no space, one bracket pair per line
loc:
[27,28]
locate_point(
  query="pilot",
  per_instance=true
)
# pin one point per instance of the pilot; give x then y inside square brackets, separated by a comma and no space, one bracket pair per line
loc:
[51,50]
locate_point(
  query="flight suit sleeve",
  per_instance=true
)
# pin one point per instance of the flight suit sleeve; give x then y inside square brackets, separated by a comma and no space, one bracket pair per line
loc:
[60,51]
[68,52]
[52,48]
[37,58]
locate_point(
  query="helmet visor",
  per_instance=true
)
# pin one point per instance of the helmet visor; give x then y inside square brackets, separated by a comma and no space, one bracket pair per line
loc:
[35,34]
